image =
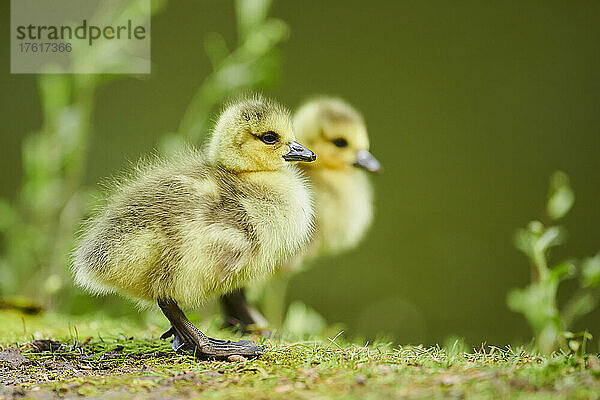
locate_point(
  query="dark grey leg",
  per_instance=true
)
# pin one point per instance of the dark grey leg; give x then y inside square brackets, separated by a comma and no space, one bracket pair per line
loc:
[188,337]
[238,312]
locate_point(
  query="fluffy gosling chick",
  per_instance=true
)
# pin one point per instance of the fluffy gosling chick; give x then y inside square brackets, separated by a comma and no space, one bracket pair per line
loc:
[342,192]
[343,195]
[183,229]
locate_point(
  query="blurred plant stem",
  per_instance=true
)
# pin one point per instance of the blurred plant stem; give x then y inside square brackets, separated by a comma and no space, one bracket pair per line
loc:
[38,227]
[538,301]
[253,63]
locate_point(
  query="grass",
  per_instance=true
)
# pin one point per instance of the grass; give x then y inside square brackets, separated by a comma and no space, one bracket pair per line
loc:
[98,357]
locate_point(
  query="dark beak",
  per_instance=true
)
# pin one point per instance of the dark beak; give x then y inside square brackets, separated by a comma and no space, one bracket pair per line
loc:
[365,160]
[299,153]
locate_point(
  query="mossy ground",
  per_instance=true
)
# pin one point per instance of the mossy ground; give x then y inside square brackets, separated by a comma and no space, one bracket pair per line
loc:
[102,358]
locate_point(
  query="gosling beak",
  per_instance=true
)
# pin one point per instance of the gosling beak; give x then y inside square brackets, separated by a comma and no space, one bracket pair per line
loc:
[365,160]
[299,153]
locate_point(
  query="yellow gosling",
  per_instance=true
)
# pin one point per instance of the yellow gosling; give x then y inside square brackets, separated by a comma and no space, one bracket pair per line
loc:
[343,194]
[182,229]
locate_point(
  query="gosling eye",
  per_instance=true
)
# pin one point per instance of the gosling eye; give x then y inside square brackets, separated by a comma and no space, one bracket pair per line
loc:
[269,137]
[340,142]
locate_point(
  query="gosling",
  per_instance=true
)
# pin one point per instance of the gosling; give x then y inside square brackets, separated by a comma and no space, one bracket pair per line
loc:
[342,191]
[203,223]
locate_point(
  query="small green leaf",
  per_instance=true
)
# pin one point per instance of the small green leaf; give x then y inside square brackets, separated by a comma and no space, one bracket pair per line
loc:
[553,236]
[561,197]
[524,240]
[250,14]
[574,345]
[536,227]
[536,302]
[563,270]
[579,305]
[590,268]
[568,335]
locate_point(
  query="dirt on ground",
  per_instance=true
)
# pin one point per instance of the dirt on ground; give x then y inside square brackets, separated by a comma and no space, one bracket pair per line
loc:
[47,369]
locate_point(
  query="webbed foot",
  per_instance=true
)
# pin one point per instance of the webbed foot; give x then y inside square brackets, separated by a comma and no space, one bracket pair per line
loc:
[186,337]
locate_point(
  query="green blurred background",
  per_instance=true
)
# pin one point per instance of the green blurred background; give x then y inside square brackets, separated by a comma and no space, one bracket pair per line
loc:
[470,106]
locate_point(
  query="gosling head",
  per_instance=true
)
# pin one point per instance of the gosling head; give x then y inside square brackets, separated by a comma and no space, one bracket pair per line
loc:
[337,133]
[255,134]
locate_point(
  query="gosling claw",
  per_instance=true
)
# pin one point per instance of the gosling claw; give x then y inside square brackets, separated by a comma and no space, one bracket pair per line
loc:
[224,348]
[168,333]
